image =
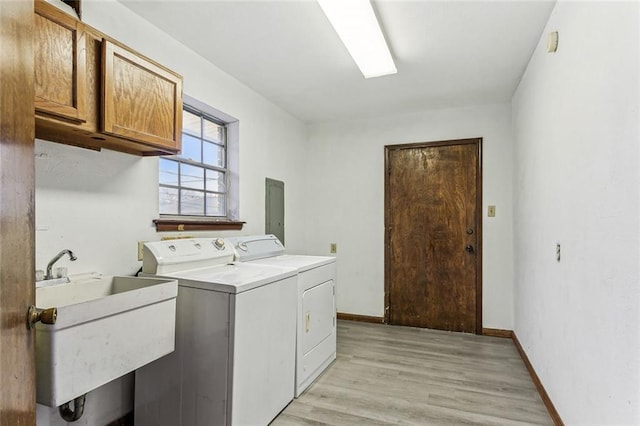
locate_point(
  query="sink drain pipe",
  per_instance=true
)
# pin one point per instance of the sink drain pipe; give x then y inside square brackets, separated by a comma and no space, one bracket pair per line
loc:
[70,415]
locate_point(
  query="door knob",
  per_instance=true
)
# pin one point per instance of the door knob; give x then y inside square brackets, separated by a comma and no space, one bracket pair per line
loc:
[469,248]
[45,316]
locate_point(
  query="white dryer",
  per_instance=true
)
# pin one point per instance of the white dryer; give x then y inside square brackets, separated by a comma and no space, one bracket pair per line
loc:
[316,318]
[234,362]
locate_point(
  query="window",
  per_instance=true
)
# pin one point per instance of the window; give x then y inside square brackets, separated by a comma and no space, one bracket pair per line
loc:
[198,189]
[195,182]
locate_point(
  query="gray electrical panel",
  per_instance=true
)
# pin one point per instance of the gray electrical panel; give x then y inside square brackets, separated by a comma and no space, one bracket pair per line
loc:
[274,205]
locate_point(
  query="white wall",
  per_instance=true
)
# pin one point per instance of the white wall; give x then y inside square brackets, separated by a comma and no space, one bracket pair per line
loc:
[99,204]
[576,183]
[345,163]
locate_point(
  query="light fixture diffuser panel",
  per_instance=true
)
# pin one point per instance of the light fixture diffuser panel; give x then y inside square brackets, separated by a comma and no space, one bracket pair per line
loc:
[357,26]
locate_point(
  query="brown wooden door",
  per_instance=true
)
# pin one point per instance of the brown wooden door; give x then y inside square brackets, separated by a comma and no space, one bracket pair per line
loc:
[433,234]
[17,368]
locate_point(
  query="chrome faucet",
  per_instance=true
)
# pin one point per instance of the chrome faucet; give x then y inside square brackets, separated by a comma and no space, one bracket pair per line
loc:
[57,257]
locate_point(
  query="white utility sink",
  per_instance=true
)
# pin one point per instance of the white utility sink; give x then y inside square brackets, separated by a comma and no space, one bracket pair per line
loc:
[106,327]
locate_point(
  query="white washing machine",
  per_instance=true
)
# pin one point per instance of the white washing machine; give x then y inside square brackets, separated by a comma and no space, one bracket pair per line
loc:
[316,318]
[234,362]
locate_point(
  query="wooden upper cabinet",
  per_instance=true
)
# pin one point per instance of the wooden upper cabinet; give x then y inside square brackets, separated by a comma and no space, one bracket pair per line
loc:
[93,92]
[60,58]
[141,100]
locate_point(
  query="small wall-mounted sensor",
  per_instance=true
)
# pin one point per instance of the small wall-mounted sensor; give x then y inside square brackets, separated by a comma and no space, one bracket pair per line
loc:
[552,42]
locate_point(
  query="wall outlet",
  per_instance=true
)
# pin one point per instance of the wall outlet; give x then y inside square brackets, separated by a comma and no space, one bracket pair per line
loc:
[491,211]
[140,247]
[333,248]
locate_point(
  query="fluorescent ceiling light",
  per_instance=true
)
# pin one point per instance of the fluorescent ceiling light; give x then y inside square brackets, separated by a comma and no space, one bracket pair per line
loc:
[356,24]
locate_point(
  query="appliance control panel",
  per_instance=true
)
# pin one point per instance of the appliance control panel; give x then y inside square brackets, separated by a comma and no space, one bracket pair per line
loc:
[256,247]
[183,254]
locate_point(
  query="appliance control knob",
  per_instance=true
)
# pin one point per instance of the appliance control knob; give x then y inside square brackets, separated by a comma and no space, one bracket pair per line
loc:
[219,243]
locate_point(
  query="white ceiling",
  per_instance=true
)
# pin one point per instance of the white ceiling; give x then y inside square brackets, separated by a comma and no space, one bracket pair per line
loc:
[448,53]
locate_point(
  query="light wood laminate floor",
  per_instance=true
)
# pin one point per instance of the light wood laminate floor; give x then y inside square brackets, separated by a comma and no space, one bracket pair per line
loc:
[401,375]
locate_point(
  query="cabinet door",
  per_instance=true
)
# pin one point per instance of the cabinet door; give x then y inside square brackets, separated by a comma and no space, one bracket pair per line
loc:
[141,101]
[60,64]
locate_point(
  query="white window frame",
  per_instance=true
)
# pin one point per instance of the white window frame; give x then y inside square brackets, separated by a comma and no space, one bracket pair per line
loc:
[231,169]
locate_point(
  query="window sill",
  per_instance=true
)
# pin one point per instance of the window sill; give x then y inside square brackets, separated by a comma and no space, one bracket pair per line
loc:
[190,224]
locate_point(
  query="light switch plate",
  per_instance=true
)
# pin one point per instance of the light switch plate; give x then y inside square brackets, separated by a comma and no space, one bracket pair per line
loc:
[333,248]
[491,211]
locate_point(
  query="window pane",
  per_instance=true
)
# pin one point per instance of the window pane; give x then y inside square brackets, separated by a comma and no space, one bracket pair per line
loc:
[213,131]
[192,202]
[168,200]
[215,181]
[191,177]
[168,172]
[198,190]
[191,148]
[213,154]
[191,123]
[216,205]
